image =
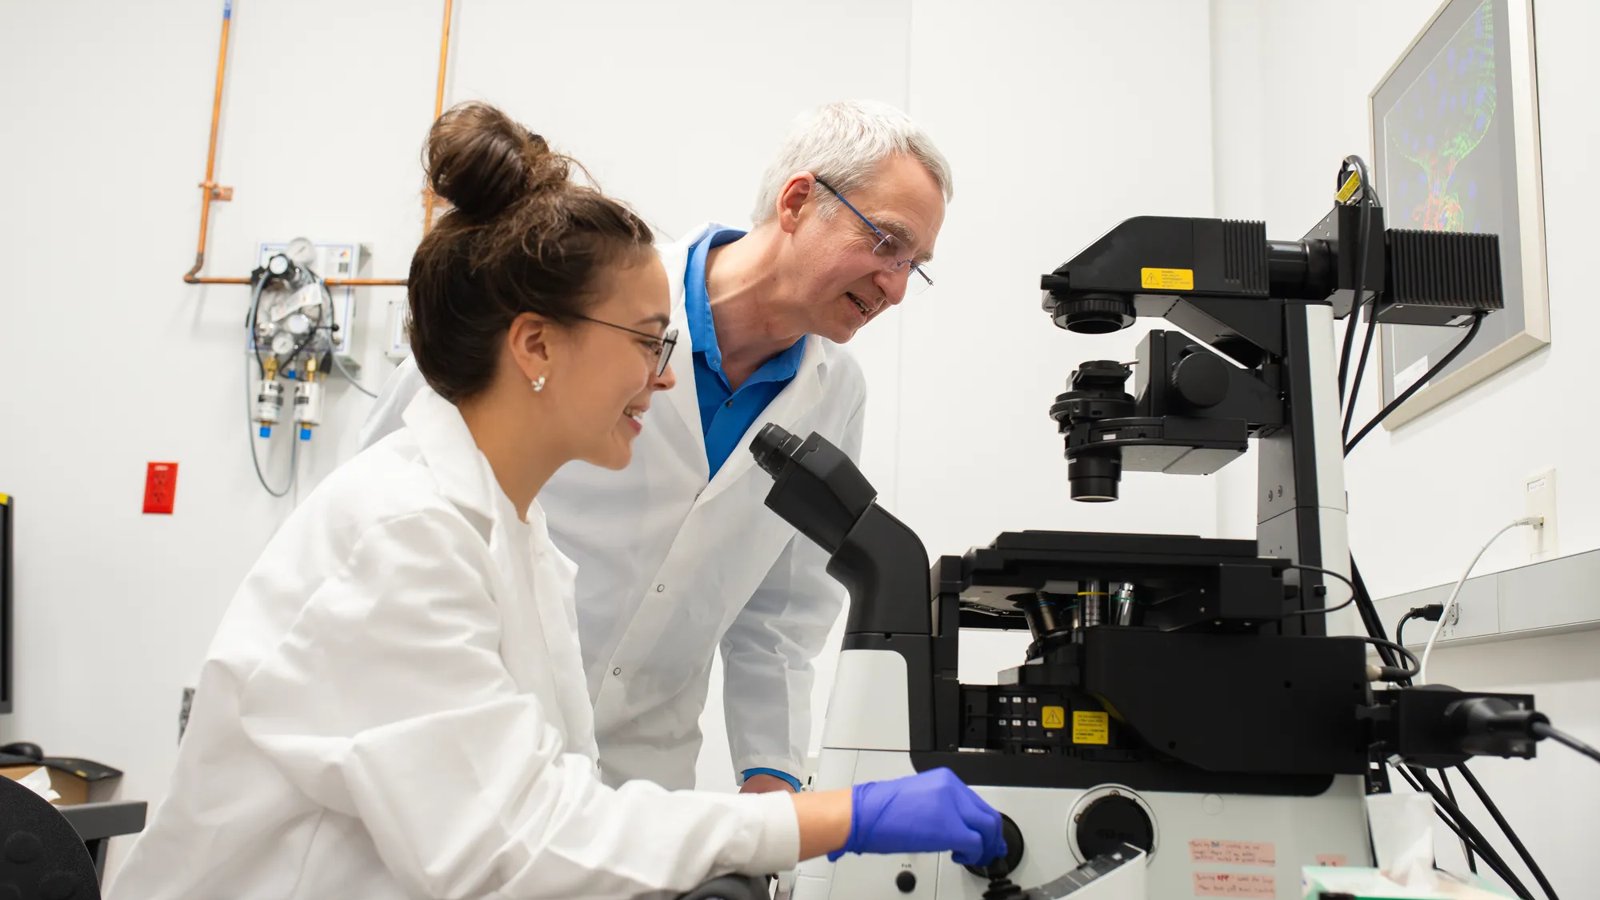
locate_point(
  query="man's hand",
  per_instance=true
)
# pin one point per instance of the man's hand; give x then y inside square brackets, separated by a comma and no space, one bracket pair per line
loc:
[763,784]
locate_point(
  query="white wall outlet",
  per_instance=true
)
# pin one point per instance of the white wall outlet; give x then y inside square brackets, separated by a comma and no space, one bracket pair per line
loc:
[1539,497]
[397,346]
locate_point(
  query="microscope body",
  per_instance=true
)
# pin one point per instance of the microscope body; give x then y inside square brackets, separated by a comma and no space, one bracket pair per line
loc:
[1182,696]
[1224,756]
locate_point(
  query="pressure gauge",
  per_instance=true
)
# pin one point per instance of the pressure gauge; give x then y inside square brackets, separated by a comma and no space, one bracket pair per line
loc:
[282,343]
[278,265]
[298,324]
[302,251]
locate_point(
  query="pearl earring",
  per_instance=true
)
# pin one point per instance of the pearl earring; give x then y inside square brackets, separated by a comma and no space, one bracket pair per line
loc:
[538,384]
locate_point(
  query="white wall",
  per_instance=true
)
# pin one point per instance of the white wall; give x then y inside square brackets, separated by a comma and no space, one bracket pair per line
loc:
[113,362]
[1058,124]
[1052,139]
[1425,497]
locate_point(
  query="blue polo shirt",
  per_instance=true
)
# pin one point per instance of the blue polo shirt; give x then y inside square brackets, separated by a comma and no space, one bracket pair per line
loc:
[726,414]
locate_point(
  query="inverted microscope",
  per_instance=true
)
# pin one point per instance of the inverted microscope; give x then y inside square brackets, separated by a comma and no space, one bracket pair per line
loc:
[1187,721]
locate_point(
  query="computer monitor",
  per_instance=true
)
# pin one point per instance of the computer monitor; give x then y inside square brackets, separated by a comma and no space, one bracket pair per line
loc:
[8,507]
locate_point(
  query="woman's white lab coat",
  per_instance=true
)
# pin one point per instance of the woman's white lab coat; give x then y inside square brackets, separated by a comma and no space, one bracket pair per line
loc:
[676,563]
[395,706]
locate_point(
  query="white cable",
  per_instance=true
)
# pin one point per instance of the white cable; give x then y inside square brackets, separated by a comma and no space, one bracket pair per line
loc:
[1427,650]
[350,378]
[333,348]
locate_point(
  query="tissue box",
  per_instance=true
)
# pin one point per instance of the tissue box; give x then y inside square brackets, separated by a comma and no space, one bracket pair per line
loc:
[73,790]
[1330,883]
[71,778]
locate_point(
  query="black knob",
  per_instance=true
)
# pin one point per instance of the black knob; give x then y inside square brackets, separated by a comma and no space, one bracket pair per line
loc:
[906,881]
[1008,863]
[1201,379]
[1111,821]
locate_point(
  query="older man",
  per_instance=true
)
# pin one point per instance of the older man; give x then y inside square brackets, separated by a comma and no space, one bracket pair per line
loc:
[677,554]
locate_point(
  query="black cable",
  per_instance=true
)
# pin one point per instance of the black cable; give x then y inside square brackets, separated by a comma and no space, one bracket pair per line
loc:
[1472,332]
[1407,655]
[1312,612]
[1510,833]
[1544,730]
[1318,612]
[1439,811]
[256,288]
[1368,202]
[289,360]
[1354,318]
[1369,614]
[1400,626]
[1375,629]
[1444,778]
[1432,612]
[1361,367]
[1468,830]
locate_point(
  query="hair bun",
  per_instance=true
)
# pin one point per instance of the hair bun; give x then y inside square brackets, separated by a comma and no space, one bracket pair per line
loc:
[482,162]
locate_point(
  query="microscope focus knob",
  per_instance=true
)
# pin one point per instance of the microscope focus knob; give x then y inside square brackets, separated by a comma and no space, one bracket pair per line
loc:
[1201,379]
[1007,864]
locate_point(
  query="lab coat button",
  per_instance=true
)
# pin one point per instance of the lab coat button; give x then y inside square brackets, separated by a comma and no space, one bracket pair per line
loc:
[660,588]
[617,671]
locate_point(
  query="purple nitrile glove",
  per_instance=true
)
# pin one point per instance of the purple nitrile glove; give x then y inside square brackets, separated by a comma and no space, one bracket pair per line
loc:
[929,812]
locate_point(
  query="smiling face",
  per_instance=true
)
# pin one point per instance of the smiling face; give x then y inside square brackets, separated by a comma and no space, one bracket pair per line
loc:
[607,375]
[843,282]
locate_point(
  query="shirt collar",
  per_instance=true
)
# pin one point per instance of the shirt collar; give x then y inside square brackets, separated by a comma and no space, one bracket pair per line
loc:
[702,328]
[697,298]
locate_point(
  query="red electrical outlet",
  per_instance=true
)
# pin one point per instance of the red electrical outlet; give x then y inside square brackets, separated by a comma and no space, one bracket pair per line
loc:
[160,483]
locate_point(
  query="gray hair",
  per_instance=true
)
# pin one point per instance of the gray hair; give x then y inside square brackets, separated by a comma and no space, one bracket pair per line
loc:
[842,142]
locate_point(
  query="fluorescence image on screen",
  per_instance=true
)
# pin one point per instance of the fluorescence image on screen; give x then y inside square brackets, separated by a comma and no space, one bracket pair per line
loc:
[1446,160]
[1443,139]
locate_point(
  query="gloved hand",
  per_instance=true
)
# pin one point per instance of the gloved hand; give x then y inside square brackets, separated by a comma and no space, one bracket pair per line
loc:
[931,811]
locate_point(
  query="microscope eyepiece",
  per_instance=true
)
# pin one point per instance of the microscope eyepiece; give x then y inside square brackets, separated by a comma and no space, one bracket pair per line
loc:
[772,446]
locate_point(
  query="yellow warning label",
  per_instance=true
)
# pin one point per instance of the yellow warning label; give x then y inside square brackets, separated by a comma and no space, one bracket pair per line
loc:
[5,499]
[1167,279]
[1053,717]
[1090,727]
[1349,188]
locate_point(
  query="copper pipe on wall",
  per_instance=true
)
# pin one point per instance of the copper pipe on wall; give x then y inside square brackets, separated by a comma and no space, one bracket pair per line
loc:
[211,191]
[438,107]
[330,282]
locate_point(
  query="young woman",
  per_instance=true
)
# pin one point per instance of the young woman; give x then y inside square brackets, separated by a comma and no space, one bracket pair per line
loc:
[395,705]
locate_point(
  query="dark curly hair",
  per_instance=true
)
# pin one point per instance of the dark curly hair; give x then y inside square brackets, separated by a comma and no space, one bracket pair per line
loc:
[519,237]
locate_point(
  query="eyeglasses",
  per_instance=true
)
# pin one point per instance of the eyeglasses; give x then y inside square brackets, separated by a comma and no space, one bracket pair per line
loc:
[662,345]
[888,249]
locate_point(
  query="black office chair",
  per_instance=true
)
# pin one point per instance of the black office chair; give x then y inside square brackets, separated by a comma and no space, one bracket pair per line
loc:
[41,856]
